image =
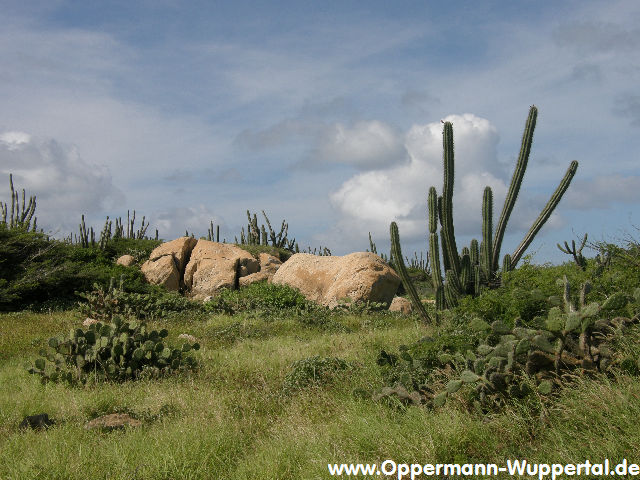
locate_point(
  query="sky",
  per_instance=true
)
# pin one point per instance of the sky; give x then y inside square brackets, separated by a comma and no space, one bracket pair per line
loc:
[325,114]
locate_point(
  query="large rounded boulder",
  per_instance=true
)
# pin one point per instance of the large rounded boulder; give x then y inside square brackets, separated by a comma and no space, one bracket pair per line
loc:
[214,266]
[359,276]
[167,262]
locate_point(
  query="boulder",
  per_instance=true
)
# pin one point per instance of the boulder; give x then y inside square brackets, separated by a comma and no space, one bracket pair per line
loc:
[269,263]
[162,271]
[253,278]
[112,421]
[167,262]
[126,260]
[400,304]
[37,422]
[213,266]
[268,267]
[360,276]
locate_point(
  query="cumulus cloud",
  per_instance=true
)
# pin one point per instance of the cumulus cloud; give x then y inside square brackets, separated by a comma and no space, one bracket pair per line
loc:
[364,145]
[173,222]
[65,185]
[369,201]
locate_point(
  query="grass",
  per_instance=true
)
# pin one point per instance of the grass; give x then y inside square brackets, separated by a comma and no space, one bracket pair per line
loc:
[234,420]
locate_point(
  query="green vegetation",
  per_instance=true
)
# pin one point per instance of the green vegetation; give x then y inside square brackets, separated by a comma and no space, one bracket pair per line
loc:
[118,351]
[38,271]
[285,387]
[476,267]
[542,366]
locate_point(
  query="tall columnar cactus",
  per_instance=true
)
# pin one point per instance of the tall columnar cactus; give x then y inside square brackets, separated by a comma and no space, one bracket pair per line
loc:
[514,187]
[477,268]
[487,227]
[434,251]
[20,216]
[396,253]
[449,243]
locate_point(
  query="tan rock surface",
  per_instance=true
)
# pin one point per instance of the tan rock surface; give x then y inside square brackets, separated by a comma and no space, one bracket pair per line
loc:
[213,266]
[269,263]
[167,262]
[180,249]
[400,304]
[126,260]
[360,276]
[163,271]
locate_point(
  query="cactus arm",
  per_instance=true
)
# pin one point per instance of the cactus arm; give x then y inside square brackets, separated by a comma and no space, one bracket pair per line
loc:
[487,230]
[545,214]
[451,292]
[506,264]
[466,275]
[408,284]
[434,249]
[514,187]
[449,247]
[474,252]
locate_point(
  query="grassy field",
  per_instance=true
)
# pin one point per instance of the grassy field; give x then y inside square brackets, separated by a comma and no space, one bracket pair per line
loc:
[234,418]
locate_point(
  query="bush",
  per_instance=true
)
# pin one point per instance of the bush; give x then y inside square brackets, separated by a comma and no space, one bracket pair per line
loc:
[35,269]
[118,351]
[103,304]
[259,296]
[313,371]
[513,360]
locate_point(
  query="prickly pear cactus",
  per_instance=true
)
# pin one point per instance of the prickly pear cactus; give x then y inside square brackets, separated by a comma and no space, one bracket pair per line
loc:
[114,351]
[512,362]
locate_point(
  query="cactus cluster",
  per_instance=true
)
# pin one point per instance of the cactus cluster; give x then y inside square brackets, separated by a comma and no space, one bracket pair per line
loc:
[415,263]
[510,362]
[104,304]
[257,235]
[20,215]
[115,351]
[577,254]
[319,251]
[210,236]
[477,267]
[87,237]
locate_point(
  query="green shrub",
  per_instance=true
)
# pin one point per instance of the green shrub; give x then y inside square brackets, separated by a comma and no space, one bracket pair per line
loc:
[116,352]
[313,371]
[262,296]
[102,304]
[414,366]
[513,360]
[35,269]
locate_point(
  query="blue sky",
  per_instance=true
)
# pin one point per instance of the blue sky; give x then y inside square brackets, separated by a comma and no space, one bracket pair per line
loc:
[326,114]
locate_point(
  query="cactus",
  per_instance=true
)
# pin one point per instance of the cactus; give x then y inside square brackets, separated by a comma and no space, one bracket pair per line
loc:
[408,284]
[257,235]
[117,351]
[21,214]
[372,245]
[512,362]
[84,234]
[577,254]
[465,278]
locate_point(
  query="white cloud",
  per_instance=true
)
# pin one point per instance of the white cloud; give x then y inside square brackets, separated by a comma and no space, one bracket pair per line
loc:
[65,185]
[365,145]
[172,223]
[13,140]
[370,201]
